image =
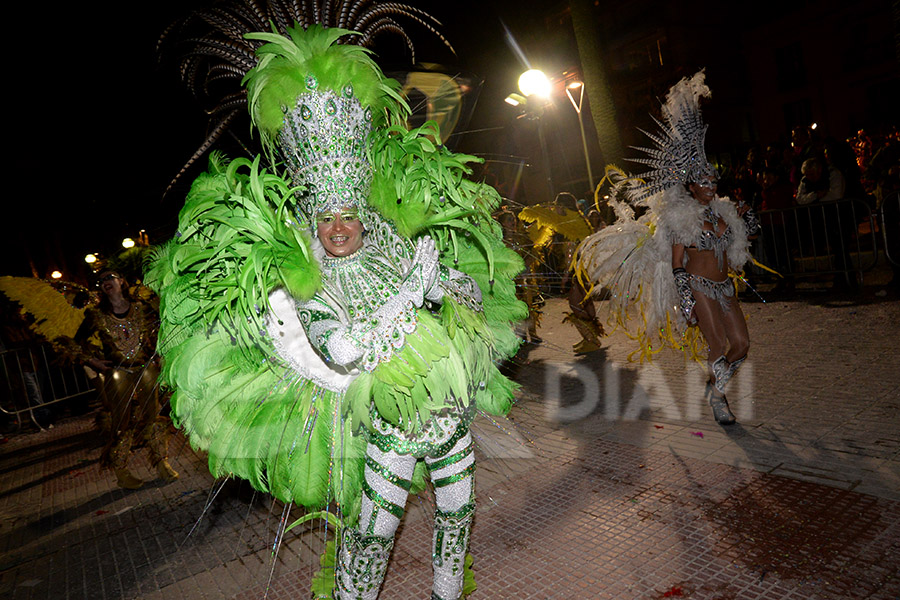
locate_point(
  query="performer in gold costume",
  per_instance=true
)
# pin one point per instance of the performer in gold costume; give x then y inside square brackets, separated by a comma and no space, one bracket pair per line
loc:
[117,339]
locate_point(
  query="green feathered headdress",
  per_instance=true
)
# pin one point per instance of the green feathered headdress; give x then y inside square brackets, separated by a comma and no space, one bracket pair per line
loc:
[316,101]
[312,60]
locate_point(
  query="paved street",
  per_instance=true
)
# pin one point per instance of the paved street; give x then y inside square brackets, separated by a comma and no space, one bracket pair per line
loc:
[611,480]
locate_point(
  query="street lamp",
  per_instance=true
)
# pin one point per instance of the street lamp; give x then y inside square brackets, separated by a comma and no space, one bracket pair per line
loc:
[533,82]
[535,85]
[578,85]
[56,275]
[128,243]
[515,99]
[90,259]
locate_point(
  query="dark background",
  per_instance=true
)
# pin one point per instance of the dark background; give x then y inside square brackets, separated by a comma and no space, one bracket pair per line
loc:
[99,130]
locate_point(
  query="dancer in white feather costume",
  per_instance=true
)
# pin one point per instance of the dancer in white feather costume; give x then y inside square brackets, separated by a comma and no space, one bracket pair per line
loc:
[668,270]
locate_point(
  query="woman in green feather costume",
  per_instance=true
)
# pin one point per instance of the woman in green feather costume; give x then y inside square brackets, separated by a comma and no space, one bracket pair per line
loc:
[331,334]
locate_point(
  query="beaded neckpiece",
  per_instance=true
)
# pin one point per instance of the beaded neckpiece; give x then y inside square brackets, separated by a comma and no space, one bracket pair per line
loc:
[364,280]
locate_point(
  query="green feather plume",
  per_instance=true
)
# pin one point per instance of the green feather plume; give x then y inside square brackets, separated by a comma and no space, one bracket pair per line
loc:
[284,64]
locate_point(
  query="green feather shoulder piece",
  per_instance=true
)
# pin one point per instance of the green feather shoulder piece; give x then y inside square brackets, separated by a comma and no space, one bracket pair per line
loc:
[255,417]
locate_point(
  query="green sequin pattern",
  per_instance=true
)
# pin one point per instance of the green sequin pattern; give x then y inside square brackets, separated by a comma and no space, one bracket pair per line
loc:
[435,438]
[357,292]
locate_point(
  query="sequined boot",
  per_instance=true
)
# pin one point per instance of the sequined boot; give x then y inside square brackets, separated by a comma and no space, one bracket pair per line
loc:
[165,471]
[591,331]
[721,371]
[451,540]
[126,480]
[118,456]
[719,404]
[361,565]
[156,435]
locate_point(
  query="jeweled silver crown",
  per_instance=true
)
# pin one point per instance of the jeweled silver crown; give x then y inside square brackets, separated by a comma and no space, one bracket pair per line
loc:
[323,143]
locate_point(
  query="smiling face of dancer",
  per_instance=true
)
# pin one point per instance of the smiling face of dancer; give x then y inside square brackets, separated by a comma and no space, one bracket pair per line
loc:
[110,283]
[704,190]
[340,232]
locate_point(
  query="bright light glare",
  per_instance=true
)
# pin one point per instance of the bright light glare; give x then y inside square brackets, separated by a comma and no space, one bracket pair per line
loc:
[575,85]
[56,275]
[128,243]
[814,125]
[511,100]
[90,258]
[534,83]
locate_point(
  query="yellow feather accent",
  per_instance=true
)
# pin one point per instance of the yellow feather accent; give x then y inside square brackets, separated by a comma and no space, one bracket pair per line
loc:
[571,224]
[762,266]
[53,315]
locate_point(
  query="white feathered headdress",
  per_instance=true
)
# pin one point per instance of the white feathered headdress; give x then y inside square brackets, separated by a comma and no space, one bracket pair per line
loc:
[679,157]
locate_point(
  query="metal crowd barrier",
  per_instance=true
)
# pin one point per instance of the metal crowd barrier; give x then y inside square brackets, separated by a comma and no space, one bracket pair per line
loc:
[889,212]
[819,238]
[30,379]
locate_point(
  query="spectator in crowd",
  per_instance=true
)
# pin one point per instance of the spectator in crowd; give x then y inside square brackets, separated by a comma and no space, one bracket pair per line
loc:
[818,183]
[883,170]
[839,156]
[801,150]
[746,185]
[776,244]
[834,227]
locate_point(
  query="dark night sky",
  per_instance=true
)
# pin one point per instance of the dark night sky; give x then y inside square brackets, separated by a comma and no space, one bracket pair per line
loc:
[99,130]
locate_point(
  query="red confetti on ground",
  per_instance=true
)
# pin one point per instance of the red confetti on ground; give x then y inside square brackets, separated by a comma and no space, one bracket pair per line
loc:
[658,426]
[675,591]
[697,433]
[101,512]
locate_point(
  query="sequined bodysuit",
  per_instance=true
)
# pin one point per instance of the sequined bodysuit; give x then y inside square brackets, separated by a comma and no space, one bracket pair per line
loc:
[362,315]
[365,312]
[129,391]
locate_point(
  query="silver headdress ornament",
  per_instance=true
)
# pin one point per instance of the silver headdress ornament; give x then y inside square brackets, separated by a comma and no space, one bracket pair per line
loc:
[679,157]
[211,53]
[324,143]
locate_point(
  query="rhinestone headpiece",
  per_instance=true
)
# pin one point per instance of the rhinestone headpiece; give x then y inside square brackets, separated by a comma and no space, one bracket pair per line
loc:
[680,155]
[324,142]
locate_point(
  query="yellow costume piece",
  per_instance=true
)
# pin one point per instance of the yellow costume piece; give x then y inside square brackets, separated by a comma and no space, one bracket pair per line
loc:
[571,224]
[54,316]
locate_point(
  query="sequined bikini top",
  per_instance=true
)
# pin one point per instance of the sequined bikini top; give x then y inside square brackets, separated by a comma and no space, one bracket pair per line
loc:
[708,240]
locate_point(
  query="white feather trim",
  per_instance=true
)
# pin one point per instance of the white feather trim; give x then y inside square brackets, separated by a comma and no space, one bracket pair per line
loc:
[681,221]
[630,262]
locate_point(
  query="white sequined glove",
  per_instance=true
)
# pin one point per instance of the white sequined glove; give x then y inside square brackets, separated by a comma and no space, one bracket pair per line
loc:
[685,295]
[426,259]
